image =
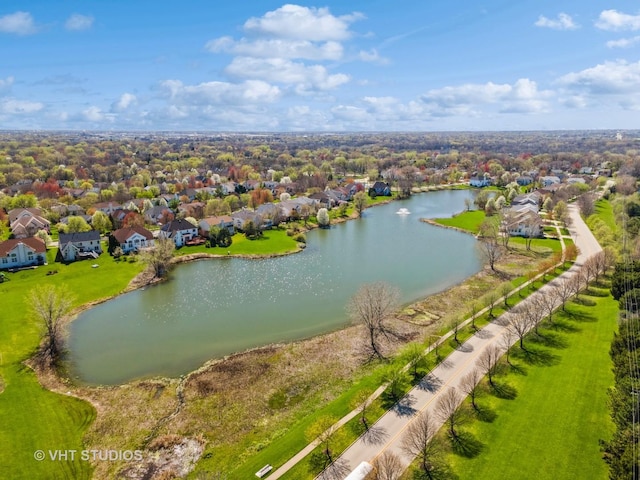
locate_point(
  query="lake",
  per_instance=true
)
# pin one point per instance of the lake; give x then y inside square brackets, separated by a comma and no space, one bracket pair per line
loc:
[214,307]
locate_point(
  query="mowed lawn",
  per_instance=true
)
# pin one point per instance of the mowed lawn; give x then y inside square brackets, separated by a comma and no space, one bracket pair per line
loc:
[469,221]
[552,428]
[31,417]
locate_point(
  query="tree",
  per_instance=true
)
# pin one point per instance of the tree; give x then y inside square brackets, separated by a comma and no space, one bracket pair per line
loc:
[469,384]
[488,362]
[561,212]
[101,222]
[448,409]
[159,256]
[387,466]
[548,302]
[252,230]
[50,304]
[360,202]
[519,325]
[323,218]
[362,401]
[373,305]
[586,202]
[506,342]
[489,244]
[44,236]
[563,291]
[324,430]
[417,442]
[77,224]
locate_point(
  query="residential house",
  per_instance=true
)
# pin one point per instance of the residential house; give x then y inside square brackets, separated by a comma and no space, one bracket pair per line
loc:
[324,200]
[222,221]
[107,207]
[26,222]
[380,188]
[479,182]
[130,239]
[242,217]
[155,214]
[532,198]
[17,253]
[193,209]
[78,246]
[523,181]
[180,231]
[549,180]
[525,222]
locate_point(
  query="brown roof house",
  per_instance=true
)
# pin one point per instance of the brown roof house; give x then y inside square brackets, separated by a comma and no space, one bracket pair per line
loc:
[130,239]
[22,252]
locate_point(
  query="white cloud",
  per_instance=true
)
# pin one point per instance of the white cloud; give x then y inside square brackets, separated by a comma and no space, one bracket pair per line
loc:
[12,106]
[20,23]
[220,93]
[93,114]
[522,97]
[5,83]
[77,22]
[372,56]
[124,102]
[618,77]
[280,48]
[302,23]
[614,20]
[278,70]
[562,22]
[624,42]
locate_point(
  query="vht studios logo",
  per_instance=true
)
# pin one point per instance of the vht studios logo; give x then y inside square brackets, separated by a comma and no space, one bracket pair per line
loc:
[88,455]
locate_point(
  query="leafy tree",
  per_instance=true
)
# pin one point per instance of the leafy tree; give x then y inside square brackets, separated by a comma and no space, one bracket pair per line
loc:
[323,218]
[101,222]
[77,224]
[159,256]
[360,202]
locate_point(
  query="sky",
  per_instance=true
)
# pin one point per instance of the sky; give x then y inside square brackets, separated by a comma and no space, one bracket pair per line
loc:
[334,66]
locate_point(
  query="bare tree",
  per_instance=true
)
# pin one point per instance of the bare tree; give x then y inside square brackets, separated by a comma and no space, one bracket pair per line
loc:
[548,301]
[532,226]
[488,361]
[373,305]
[387,466]
[507,218]
[417,442]
[362,402]
[159,256]
[469,384]
[519,325]
[505,289]
[575,282]
[564,291]
[491,298]
[586,202]
[506,341]
[50,304]
[491,251]
[324,431]
[448,409]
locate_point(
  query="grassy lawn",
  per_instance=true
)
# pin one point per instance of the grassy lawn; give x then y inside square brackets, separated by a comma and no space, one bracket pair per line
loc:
[552,428]
[604,210]
[469,221]
[273,241]
[33,418]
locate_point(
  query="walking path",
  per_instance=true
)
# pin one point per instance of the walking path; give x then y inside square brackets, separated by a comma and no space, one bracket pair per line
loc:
[424,397]
[386,434]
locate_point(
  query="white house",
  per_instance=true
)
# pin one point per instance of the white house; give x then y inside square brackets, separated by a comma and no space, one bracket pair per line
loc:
[79,245]
[180,231]
[23,252]
[131,239]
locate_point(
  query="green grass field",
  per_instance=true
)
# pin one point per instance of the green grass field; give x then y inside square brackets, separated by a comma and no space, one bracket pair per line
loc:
[272,242]
[32,417]
[469,221]
[552,428]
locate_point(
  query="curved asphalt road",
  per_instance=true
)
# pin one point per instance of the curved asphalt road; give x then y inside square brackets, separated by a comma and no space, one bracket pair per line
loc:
[389,430]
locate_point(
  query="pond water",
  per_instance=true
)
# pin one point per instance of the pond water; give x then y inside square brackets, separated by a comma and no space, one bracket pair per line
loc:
[211,308]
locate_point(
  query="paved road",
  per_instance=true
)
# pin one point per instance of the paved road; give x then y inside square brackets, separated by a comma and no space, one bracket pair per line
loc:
[389,430]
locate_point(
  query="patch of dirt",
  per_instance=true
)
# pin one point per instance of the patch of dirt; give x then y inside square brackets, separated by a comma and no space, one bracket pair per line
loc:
[168,457]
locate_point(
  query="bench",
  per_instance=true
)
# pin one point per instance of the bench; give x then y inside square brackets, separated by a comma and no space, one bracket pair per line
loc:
[263,471]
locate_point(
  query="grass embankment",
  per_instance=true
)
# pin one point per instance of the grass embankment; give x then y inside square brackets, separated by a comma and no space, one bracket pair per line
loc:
[552,428]
[272,242]
[32,417]
[469,221]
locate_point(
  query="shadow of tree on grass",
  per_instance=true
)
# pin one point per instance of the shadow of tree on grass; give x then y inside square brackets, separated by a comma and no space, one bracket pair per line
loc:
[504,391]
[537,356]
[485,414]
[466,445]
[550,339]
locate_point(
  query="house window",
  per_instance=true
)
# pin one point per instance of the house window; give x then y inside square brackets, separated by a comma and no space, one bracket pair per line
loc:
[4,260]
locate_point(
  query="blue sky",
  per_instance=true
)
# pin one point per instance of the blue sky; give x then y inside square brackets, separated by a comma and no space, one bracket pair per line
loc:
[374,65]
